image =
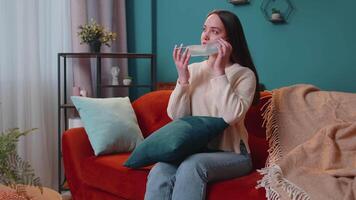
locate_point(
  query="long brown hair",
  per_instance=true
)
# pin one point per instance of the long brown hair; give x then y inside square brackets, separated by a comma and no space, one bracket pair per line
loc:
[240,53]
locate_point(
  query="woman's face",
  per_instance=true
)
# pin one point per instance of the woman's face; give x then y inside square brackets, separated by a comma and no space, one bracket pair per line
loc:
[213,29]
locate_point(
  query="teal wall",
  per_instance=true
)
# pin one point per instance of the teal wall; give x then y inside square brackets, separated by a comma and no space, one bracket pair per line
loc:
[317,46]
[139,35]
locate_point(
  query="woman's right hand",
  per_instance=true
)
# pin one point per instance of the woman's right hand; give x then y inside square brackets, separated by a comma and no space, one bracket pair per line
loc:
[181,61]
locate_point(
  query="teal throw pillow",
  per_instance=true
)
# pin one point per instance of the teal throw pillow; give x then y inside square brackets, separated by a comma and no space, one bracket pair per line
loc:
[110,123]
[176,140]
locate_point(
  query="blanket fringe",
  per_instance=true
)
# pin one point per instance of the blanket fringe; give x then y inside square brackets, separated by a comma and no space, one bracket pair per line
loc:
[269,174]
[294,192]
[274,174]
[270,122]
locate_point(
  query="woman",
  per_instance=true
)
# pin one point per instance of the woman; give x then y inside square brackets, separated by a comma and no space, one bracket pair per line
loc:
[224,85]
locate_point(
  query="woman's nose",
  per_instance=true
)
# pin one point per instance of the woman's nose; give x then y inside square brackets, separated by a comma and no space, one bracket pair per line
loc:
[205,36]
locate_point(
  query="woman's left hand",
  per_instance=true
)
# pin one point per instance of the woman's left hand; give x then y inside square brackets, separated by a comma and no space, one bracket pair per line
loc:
[223,57]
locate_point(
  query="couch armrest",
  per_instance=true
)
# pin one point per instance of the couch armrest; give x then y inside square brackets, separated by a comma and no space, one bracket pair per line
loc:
[75,149]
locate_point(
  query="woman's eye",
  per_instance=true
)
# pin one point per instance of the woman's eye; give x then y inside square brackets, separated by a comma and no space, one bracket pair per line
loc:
[215,32]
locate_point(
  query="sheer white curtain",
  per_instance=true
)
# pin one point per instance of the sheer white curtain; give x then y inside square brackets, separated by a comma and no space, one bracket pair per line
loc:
[32,33]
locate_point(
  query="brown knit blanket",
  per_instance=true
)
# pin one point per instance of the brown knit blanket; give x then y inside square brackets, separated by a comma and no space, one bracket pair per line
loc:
[312,144]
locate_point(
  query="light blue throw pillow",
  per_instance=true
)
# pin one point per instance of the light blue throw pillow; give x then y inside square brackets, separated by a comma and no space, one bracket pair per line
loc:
[110,123]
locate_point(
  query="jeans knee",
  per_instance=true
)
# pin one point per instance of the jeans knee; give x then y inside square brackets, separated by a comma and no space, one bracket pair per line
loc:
[161,171]
[160,182]
[190,168]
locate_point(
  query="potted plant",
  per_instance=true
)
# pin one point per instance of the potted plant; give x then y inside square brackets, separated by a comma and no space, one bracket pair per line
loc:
[276,15]
[15,172]
[95,35]
[127,80]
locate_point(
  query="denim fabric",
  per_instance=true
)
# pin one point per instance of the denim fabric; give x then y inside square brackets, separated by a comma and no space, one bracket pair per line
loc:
[188,180]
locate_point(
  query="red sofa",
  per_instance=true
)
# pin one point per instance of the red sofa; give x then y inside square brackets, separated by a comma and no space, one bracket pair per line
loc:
[105,178]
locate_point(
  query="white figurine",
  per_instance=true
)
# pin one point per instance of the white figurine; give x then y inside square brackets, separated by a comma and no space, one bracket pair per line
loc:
[115,70]
[83,93]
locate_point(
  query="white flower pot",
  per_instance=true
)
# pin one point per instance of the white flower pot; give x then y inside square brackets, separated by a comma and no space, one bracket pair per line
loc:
[127,81]
[276,16]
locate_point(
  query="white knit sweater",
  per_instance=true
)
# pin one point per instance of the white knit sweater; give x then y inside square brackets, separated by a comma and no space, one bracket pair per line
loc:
[228,96]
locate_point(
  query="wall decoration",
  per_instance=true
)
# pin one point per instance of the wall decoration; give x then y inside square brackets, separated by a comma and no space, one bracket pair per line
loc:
[277,11]
[239,2]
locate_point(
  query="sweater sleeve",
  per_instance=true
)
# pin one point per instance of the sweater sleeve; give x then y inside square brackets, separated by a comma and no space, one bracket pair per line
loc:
[179,102]
[234,95]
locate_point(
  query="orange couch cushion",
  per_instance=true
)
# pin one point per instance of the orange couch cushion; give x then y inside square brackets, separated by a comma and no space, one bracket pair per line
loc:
[107,173]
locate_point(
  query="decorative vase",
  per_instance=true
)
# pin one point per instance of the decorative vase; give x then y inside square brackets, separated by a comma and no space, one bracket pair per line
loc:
[95,46]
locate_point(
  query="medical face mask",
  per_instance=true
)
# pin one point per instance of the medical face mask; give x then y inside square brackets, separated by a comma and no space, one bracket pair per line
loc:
[203,50]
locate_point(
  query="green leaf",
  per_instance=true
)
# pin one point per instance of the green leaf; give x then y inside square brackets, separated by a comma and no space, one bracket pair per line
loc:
[14,170]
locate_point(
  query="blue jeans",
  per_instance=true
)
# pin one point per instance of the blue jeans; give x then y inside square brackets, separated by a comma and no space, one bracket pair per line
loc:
[188,180]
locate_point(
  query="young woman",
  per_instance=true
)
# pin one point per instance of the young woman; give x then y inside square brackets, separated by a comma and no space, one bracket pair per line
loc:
[224,85]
